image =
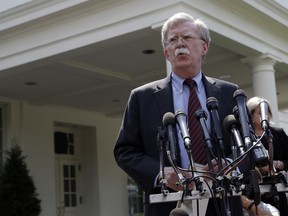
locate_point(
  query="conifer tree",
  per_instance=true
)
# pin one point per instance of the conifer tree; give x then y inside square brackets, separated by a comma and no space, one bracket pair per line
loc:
[18,195]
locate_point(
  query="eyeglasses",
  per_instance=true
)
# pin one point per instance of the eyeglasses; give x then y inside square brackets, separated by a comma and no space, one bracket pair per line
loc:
[186,38]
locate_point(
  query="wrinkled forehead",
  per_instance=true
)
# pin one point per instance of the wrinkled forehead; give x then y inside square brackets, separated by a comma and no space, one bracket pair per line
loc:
[187,27]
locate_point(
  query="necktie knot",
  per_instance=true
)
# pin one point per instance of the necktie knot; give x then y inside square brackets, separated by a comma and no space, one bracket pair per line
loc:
[190,83]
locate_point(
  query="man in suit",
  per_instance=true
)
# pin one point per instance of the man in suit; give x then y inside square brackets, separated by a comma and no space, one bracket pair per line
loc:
[186,43]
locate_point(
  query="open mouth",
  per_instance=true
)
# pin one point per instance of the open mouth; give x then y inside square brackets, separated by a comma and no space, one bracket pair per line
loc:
[181,54]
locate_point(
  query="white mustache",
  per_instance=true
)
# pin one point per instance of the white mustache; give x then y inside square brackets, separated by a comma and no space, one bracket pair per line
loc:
[182,50]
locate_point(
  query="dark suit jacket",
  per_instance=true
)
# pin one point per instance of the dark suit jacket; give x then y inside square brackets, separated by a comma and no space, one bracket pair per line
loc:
[136,150]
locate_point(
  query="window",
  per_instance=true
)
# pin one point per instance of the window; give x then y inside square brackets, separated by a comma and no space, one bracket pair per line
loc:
[64,143]
[69,182]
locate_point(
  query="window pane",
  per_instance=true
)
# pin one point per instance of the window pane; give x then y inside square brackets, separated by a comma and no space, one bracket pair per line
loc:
[73,186]
[65,171]
[72,171]
[67,200]
[71,138]
[73,200]
[66,186]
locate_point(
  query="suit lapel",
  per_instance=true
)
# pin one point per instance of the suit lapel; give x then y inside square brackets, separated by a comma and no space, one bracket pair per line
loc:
[164,97]
[212,89]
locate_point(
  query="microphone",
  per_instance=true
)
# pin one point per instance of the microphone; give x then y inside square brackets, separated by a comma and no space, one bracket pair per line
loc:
[181,120]
[169,123]
[178,212]
[201,116]
[264,114]
[212,106]
[161,139]
[235,112]
[231,125]
[240,99]
[259,153]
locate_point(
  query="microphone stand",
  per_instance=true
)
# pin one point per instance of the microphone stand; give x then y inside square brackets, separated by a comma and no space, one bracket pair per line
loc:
[273,176]
[198,180]
[254,182]
[236,184]
[221,181]
[161,139]
[201,116]
[269,138]
[224,211]
[212,106]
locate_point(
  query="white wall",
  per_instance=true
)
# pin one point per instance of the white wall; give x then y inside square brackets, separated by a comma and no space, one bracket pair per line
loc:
[32,128]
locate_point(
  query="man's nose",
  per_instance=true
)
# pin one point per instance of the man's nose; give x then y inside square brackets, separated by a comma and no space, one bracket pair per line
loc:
[180,40]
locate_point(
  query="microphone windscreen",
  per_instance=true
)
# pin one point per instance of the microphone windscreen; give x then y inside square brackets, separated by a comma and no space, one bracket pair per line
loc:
[212,103]
[228,122]
[168,118]
[239,92]
[178,212]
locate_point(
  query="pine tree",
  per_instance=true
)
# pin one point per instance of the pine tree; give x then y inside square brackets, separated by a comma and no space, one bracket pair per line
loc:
[18,195]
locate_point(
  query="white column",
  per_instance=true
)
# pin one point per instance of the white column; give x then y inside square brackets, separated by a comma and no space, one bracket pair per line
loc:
[263,80]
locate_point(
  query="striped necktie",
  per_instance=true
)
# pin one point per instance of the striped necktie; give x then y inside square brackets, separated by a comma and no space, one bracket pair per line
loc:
[195,130]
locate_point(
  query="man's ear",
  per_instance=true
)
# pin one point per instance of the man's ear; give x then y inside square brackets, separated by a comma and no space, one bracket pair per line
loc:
[205,48]
[166,54]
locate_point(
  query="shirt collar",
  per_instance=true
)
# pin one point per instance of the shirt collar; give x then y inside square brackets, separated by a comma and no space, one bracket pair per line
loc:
[198,80]
[177,81]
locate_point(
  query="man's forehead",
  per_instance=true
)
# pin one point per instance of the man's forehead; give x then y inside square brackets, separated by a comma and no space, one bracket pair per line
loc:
[186,27]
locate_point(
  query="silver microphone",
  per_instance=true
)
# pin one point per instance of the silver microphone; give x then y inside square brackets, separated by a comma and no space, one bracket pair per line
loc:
[264,114]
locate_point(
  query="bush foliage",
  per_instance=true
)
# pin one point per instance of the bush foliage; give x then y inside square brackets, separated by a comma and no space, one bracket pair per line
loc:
[18,195]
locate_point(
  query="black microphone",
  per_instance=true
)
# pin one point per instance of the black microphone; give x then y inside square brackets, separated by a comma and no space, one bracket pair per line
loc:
[178,212]
[181,120]
[264,114]
[201,117]
[235,112]
[161,140]
[212,106]
[231,125]
[240,99]
[169,123]
[259,153]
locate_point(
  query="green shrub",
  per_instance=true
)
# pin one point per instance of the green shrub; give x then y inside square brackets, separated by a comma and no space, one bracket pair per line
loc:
[18,195]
